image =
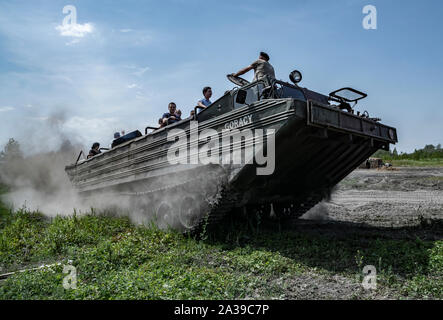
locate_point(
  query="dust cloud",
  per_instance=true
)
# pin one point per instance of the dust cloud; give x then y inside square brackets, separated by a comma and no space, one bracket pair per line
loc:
[37,181]
[35,171]
[35,176]
[319,212]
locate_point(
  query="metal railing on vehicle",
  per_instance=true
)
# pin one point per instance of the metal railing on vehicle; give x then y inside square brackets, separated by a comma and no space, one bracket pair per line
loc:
[150,128]
[195,112]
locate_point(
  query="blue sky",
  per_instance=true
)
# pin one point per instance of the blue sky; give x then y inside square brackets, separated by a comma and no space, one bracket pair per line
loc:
[130,58]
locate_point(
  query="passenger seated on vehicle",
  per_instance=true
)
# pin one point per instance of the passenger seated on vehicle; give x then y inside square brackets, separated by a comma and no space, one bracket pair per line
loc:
[116,136]
[95,150]
[171,116]
[205,102]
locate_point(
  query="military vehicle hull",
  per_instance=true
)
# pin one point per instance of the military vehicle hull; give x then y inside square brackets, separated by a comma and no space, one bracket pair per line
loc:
[316,146]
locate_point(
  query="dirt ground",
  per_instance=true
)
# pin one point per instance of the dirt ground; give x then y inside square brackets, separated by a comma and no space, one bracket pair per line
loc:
[399,197]
[378,203]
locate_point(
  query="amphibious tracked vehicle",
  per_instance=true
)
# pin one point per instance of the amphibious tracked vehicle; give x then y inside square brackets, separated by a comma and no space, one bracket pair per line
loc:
[268,146]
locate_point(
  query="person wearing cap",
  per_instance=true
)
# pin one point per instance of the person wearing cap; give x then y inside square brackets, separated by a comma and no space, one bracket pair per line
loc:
[261,68]
[116,136]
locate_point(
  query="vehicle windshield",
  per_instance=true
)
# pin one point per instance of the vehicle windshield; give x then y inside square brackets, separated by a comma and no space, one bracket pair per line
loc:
[349,94]
[284,91]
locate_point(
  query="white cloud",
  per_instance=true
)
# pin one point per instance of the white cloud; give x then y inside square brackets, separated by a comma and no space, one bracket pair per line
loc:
[140,96]
[125,30]
[141,71]
[76,30]
[74,41]
[81,123]
[133,85]
[142,39]
[92,129]
[4,109]
[39,118]
[137,71]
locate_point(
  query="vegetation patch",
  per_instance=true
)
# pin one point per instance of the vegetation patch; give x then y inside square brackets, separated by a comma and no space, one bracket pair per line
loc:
[429,156]
[115,259]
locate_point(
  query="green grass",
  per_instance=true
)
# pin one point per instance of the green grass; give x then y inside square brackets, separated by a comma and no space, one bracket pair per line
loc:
[118,260]
[4,210]
[416,163]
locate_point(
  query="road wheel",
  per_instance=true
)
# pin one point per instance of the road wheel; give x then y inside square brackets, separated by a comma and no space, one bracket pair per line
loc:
[164,215]
[264,210]
[283,210]
[261,210]
[190,212]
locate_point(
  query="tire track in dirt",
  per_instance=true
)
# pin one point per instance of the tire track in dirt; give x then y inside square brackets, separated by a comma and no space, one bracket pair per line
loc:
[352,197]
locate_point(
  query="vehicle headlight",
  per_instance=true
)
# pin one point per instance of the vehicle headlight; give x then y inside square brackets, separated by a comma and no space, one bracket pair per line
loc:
[295,76]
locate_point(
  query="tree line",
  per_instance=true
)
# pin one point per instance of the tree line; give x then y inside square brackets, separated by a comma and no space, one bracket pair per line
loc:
[11,151]
[428,152]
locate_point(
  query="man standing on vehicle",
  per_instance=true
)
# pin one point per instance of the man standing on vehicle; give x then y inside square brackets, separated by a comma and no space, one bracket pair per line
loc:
[261,67]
